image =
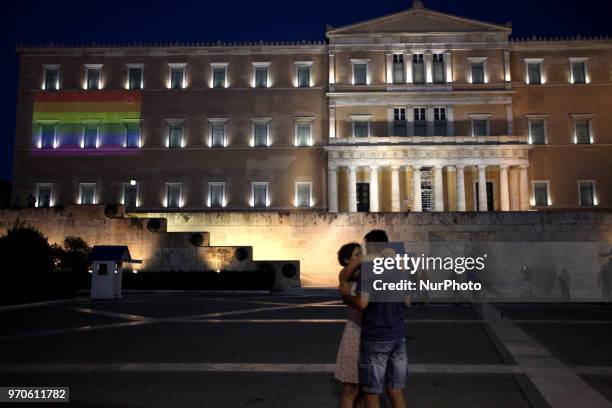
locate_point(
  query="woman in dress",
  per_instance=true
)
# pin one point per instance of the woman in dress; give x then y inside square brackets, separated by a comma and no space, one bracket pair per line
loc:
[349,256]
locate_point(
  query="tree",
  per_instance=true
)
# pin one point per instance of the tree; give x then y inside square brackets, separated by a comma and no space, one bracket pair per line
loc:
[75,255]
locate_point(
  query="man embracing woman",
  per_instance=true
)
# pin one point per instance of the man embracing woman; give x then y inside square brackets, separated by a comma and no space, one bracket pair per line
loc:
[372,352]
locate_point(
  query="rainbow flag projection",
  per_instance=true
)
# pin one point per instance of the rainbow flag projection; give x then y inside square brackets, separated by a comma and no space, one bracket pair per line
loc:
[85,119]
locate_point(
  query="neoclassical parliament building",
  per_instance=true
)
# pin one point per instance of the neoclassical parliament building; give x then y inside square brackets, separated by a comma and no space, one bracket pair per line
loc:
[413,111]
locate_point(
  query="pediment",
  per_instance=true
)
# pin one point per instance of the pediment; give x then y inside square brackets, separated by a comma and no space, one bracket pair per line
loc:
[418,20]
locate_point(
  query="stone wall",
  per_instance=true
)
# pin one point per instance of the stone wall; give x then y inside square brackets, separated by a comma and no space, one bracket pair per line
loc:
[314,238]
[311,238]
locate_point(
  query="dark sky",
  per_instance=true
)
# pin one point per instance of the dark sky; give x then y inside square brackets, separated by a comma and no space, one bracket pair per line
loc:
[167,21]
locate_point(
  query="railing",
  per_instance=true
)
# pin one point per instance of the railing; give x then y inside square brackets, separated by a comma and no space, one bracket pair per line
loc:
[505,139]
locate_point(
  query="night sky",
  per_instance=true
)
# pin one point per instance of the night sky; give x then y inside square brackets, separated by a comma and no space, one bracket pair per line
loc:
[168,21]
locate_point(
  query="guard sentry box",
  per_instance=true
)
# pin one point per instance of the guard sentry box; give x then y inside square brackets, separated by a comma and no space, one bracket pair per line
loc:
[107,270]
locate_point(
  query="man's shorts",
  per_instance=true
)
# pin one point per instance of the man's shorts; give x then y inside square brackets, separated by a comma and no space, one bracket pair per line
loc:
[382,363]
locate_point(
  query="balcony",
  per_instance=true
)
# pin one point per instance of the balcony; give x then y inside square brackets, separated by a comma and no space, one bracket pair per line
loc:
[428,140]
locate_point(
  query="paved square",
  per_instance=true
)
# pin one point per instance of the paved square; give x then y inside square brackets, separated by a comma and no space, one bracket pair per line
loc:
[197,349]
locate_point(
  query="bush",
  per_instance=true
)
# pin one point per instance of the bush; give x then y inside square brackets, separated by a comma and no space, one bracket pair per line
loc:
[74,256]
[32,270]
[26,251]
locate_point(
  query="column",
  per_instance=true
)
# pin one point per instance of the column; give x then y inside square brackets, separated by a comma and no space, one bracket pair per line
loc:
[460,188]
[523,187]
[450,121]
[332,189]
[429,118]
[507,76]
[408,65]
[428,61]
[448,66]
[451,188]
[332,69]
[482,187]
[332,122]
[417,206]
[352,189]
[438,189]
[509,120]
[389,68]
[515,202]
[504,191]
[410,120]
[374,207]
[395,189]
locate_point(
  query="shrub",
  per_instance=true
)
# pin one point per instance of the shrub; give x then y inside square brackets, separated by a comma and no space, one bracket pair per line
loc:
[74,256]
[25,250]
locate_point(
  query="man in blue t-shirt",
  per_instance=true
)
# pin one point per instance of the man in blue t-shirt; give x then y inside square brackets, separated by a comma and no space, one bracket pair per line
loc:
[382,352]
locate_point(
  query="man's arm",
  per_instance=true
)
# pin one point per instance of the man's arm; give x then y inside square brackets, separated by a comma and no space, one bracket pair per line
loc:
[359,301]
[349,270]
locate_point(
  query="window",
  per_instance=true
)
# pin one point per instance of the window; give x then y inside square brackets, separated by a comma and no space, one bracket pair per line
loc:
[578,70]
[303,73]
[216,195]
[438,68]
[93,73]
[217,132]
[173,195]
[582,131]
[130,194]
[132,135]
[44,195]
[303,133]
[537,131]
[440,123]
[87,193]
[398,69]
[477,70]
[534,70]
[259,194]
[90,136]
[260,133]
[586,191]
[135,77]
[219,74]
[51,77]
[102,269]
[177,76]
[400,127]
[418,69]
[47,136]
[420,122]
[361,128]
[303,194]
[260,74]
[427,189]
[360,72]
[540,193]
[175,135]
[478,73]
[480,127]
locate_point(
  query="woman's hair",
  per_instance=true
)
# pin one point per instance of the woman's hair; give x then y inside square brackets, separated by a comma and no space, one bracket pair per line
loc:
[346,251]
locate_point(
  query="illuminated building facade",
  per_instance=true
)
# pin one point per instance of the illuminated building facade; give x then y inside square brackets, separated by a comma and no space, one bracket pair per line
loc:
[415,111]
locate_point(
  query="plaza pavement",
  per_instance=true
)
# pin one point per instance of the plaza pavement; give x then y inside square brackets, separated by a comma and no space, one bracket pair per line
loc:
[202,349]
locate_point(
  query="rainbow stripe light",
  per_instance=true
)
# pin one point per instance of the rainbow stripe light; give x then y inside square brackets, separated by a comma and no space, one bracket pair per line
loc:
[71,111]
